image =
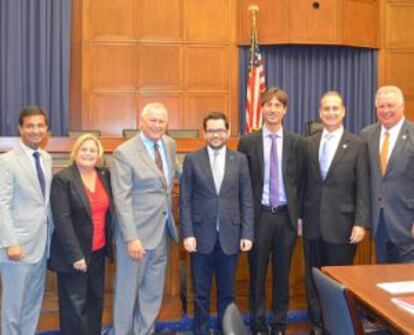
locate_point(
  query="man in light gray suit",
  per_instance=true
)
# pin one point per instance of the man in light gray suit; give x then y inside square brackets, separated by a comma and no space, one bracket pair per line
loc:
[143,171]
[391,153]
[25,225]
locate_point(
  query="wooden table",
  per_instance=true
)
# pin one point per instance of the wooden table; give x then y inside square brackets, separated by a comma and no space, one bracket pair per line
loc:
[361,280]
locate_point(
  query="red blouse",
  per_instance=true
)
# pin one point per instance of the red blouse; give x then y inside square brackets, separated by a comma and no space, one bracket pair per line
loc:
[99,203]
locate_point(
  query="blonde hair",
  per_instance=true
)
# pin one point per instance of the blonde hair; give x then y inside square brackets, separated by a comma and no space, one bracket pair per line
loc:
[78,143]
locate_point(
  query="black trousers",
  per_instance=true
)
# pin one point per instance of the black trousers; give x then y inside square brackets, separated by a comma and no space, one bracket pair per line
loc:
[274,242]
[204,267]
[318,254]
[81,298]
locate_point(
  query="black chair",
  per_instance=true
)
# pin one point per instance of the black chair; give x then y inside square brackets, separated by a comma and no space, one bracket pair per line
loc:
[183,133]
[130,132]
[233,323]
[339,313]
[77,133]
[313,127]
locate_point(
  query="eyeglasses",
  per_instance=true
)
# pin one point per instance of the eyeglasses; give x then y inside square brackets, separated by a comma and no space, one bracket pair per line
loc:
[221,131]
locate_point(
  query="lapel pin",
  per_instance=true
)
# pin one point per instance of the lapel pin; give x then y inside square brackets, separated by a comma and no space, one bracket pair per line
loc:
[404,137]
[345,146]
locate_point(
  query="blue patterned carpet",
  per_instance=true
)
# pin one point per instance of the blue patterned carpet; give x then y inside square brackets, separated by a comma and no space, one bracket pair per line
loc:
[183,326]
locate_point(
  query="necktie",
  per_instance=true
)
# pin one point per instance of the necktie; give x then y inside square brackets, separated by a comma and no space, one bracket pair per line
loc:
[158,162]
[324,160]
[384,152]
[274,173]
[216,171]
[40,174]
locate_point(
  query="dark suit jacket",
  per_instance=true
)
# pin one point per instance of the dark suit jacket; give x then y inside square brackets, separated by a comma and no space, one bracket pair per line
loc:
[396,187]
[333,206]
[72,237]
[200,205]
[292,164]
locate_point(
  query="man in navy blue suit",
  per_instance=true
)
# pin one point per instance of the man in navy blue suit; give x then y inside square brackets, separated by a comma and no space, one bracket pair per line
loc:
[216,217]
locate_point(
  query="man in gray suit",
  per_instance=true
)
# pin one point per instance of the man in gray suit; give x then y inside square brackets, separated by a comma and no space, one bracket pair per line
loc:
[25,225]
[391,154]
[143,171]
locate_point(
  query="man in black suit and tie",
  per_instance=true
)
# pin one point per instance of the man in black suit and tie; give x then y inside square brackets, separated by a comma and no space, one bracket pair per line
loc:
[391,154]
[275,158]
[336,199]
[216,217]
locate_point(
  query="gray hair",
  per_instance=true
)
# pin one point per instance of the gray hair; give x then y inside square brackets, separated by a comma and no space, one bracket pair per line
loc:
[154,106]
[390,89]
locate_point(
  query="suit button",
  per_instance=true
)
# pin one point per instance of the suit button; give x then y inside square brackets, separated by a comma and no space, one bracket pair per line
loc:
[164,213]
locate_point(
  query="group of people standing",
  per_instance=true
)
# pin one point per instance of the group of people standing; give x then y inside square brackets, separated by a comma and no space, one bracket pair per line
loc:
[328,188]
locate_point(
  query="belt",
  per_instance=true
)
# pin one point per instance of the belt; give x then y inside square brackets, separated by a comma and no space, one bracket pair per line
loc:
[273,210]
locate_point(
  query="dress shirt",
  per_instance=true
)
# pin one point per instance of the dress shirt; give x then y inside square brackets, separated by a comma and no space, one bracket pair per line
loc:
[29,152]
[221,160]
[334,139]
[149,145]
[267,144]
[394,132]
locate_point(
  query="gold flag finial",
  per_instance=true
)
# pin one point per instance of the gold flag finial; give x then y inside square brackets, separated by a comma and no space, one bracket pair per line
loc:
[253,9]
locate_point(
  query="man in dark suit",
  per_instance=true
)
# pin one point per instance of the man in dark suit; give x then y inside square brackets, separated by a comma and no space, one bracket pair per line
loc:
[391,154]
[275,161]
[216,217]
[336,199]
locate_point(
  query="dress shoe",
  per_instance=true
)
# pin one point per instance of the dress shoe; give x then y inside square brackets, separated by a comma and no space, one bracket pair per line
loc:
[316,331]
[278,332]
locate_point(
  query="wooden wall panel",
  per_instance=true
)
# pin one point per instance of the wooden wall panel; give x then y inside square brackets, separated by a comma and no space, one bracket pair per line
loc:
[409,107]
[360,22]
[206,67]
[112,67]
[399,24]
[206,20]
[159,66]
[160,19]
[112,112]
[400,69]
[173,103]
[198,105]
[272,21]
[109,19]
[315,25]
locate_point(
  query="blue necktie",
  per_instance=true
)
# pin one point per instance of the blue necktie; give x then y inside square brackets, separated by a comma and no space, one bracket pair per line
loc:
[39,171]
[324,160]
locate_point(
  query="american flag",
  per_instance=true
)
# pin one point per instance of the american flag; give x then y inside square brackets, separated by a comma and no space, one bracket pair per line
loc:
[255,85]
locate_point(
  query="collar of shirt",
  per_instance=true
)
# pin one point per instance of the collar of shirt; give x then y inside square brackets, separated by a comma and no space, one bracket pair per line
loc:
[337,133]
[266,132]
[221,152]
[29,152]
[395,130]
[149,144]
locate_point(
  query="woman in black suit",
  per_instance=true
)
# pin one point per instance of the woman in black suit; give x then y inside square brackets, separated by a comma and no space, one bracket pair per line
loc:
[81,202]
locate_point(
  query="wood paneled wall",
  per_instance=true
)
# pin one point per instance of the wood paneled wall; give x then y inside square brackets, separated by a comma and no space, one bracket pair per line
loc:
[339,22]
[396,57]
[180,52]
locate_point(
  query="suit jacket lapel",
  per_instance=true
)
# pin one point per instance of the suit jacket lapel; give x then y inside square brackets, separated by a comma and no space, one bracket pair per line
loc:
[373,144]
[170,161]
[399,146]
[286,145]
[340,151]
[80,188]
[227,167]
[28,168]
[143,153]
[315,144]
[205,163]
[260,154]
